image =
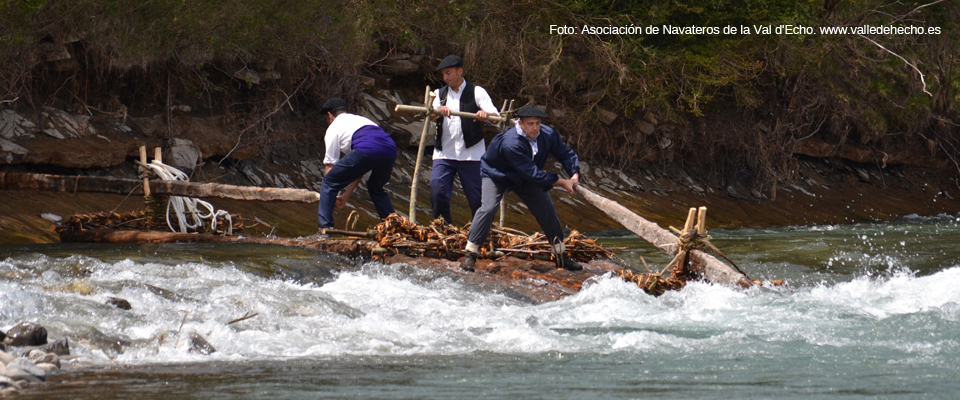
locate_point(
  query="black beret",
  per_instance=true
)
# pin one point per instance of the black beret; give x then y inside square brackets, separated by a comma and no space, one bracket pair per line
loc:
[531,111]
[450,61]
[332,104]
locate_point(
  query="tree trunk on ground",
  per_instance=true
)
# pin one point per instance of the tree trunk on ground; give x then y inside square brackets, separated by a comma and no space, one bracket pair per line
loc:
[704,264]
[73,184]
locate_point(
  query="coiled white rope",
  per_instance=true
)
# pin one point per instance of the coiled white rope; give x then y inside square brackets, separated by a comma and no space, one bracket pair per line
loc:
[185,208]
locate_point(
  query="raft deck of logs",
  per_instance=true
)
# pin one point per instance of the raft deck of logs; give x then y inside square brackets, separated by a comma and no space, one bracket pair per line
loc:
[520,262]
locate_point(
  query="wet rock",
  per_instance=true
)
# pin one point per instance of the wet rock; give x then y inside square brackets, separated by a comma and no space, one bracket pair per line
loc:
[119,303]
[200,345]
[26,334]
[413,130]
[6,358]
[10,383]
[38,357]
[22,368]
[59,348]
[184,154]
[48,368]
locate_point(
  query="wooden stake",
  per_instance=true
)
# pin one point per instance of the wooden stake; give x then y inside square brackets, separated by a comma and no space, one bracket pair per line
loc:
[503,205]
[691,217]
[428,103]
[702,221]
[146,181]
[158,155]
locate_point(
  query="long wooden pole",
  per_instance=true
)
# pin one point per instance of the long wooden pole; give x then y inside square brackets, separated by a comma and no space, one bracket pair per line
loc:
[434,111]
[706,265]
[64,183]
[428,103]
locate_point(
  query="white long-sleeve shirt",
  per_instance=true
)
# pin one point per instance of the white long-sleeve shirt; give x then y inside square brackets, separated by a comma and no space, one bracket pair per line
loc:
[454,147]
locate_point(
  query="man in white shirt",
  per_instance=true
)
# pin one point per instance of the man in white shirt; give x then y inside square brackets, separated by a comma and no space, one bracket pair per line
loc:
[459,142]
[367,148]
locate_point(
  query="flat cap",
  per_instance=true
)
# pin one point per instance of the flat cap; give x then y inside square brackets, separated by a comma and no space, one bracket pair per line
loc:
[531,110]
[450,61]
[333,103]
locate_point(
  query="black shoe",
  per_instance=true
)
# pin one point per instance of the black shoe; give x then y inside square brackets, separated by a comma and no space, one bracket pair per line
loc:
[469,262]
[569,264]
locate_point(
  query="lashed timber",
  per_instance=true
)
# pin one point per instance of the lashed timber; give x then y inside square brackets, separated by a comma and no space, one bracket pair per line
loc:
[101,184]
[536,280]
[701,263]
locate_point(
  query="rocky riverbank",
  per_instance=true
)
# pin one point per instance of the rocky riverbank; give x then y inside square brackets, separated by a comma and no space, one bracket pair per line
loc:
[832,189]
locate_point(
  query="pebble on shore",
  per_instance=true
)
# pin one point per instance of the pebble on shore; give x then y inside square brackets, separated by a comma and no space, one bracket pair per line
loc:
[26,358]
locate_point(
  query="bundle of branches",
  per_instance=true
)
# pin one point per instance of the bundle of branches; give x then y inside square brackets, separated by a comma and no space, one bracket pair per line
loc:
[442,240]
[136,220]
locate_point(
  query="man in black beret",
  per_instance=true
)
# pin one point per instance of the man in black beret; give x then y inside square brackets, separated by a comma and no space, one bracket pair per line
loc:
[459,142]
[368,149]
[514,161]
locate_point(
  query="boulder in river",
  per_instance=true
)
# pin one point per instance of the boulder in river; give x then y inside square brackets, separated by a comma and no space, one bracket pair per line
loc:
[26,334]
[200,345]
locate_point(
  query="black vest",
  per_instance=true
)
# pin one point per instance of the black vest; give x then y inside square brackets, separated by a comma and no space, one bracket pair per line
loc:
[472,129]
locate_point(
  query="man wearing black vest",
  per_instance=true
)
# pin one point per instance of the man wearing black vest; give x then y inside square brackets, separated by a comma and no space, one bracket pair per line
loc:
[459,141]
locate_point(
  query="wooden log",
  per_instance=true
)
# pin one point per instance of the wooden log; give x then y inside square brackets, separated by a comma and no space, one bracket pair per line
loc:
[701,263]
[433,111]
[65,183]
[428,100]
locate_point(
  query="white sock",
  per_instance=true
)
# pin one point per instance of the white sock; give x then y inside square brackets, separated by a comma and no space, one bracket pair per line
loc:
[559,248]
[472,247]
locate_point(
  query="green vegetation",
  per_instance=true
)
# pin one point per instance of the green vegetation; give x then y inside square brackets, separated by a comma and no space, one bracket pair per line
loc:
[709,93]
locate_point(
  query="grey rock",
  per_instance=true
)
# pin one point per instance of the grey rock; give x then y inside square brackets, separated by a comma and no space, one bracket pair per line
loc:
[38,357]
[10,147]
[23,364]
[119,303]
[248,75]
[6,358]
[377,106]
[200,345]
[185,154]
[607,117]
[646,128]
[48,368]
[26,334]
[60,347]
[54,133]
[649,117]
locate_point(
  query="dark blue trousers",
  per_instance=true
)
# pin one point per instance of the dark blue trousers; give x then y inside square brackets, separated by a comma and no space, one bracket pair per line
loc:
[441,186]
[537,200]
[350,168]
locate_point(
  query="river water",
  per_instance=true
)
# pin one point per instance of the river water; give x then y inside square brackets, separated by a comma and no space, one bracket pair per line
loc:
[871,310]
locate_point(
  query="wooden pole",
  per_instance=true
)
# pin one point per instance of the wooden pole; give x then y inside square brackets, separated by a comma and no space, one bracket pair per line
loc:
[428,103]
[503,200]
[704,264]
[63,183]
[158,154]
[461,114]
[702,221]
[146,181]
